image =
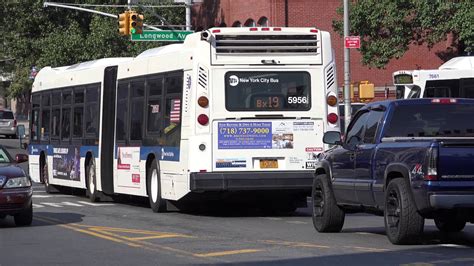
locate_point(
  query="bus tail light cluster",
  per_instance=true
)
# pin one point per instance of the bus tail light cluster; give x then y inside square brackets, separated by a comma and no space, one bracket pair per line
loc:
[333,118]
[331,100]
[203,119]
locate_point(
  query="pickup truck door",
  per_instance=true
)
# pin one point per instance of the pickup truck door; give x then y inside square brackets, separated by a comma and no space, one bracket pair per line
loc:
[343,166]
[364,156]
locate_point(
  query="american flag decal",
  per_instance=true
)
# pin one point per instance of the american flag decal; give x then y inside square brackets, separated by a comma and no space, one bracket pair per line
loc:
[175,110]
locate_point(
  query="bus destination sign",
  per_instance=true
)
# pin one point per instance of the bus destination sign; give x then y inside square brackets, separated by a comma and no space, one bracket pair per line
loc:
[161,35]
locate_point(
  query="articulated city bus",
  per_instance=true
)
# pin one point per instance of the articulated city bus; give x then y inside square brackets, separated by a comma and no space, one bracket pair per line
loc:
[455,78]
[231,111]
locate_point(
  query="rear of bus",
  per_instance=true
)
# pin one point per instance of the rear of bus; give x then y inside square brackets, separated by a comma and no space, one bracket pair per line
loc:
[404,86]
[272,95]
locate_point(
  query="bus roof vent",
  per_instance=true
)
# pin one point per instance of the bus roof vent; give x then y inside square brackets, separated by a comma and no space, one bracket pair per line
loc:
[275,44]
[288,46]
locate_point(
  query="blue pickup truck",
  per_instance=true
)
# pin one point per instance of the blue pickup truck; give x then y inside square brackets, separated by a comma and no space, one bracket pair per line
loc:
[408,160]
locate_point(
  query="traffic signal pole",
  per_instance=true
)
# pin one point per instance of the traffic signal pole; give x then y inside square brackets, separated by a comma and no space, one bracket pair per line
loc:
[48,4]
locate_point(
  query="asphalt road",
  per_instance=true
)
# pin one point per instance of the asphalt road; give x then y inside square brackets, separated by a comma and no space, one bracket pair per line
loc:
[68,229]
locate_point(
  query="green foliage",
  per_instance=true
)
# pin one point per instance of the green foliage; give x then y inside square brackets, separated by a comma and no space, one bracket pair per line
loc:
[388,27]
[51,36]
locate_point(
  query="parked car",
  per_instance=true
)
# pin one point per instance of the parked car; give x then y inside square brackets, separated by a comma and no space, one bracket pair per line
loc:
[15,189]
[7,123]
[408,160]
[354,108]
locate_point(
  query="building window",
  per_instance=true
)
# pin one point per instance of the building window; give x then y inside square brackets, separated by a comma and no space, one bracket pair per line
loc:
[249,23]
[263,22]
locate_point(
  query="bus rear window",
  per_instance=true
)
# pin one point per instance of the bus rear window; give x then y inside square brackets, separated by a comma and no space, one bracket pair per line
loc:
[267,91]
[432,120]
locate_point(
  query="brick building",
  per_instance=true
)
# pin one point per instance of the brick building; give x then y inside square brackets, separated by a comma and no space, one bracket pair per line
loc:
[312,13]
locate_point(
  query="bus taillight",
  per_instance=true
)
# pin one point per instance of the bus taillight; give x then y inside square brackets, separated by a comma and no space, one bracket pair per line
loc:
[203,119]
[203,101]
[332,118]
[331,100]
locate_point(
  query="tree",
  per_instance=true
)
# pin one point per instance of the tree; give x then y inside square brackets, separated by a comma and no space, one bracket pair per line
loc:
[388,27]
[37,36]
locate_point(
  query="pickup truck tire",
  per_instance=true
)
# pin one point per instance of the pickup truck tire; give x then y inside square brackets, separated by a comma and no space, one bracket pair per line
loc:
[449,225]
[327,216]
[403,223]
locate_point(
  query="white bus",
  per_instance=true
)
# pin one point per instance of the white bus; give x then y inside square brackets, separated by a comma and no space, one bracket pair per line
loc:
[455,78]
[230,112]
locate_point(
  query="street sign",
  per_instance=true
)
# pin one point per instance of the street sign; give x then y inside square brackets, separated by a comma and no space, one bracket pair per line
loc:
[352,42]
[161,35]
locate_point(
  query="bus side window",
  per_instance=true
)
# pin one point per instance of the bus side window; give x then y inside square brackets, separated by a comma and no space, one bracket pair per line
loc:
[172,119]
[122,107]
[467,88]
[137,91]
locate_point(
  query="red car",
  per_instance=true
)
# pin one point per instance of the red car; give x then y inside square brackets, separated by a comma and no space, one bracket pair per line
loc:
[15,189]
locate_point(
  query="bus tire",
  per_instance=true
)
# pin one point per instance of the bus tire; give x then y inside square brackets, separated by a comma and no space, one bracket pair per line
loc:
[327,216]
[403,223]
[157,204]
[91,181]
[45,177]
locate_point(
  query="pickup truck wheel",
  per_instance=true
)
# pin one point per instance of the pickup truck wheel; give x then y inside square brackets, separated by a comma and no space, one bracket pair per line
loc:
[327,216]
[448,225]
[403,223]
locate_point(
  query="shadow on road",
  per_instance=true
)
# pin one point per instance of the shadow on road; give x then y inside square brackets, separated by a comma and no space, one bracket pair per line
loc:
[412,256]
[45,219]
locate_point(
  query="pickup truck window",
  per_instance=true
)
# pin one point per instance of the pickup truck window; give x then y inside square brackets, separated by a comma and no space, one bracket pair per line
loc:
[371,126]
[356,129]
[431,120]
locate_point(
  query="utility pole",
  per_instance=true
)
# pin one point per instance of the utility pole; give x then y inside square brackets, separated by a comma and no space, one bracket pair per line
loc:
[347,75]
[188,4]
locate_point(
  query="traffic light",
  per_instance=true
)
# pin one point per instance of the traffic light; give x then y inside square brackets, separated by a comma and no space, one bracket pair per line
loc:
[124,24]
[136,22]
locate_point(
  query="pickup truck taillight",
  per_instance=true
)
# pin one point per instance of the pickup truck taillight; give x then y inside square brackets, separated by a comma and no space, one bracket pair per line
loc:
[432,169]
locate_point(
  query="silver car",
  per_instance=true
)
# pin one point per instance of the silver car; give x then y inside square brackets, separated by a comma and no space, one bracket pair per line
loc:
[7,123]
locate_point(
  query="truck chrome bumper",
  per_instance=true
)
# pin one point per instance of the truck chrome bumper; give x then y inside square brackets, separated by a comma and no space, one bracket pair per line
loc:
[451,201]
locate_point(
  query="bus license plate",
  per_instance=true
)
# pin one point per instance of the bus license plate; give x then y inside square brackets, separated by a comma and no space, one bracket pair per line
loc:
[268,163]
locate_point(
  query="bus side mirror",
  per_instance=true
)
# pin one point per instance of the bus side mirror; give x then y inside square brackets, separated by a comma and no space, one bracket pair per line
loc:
[332,137]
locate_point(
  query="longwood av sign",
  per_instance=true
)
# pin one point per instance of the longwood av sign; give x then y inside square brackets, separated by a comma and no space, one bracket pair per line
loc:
[161,35]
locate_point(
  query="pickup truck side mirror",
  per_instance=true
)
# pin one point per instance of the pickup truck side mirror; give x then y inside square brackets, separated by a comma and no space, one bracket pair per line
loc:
[332,137]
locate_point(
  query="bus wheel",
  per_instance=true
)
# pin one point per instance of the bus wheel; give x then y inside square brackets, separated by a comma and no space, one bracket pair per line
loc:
[91,181]
[157,204]
[44,173]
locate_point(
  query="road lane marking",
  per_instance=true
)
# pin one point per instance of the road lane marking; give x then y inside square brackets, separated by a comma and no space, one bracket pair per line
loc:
[227,253]
[67,203]
[132,231]
[52,196]
[158,237]
[368,249]
[37,205]
[52,204]
[296,222]
[294,244]
[72,227]
[96,204]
